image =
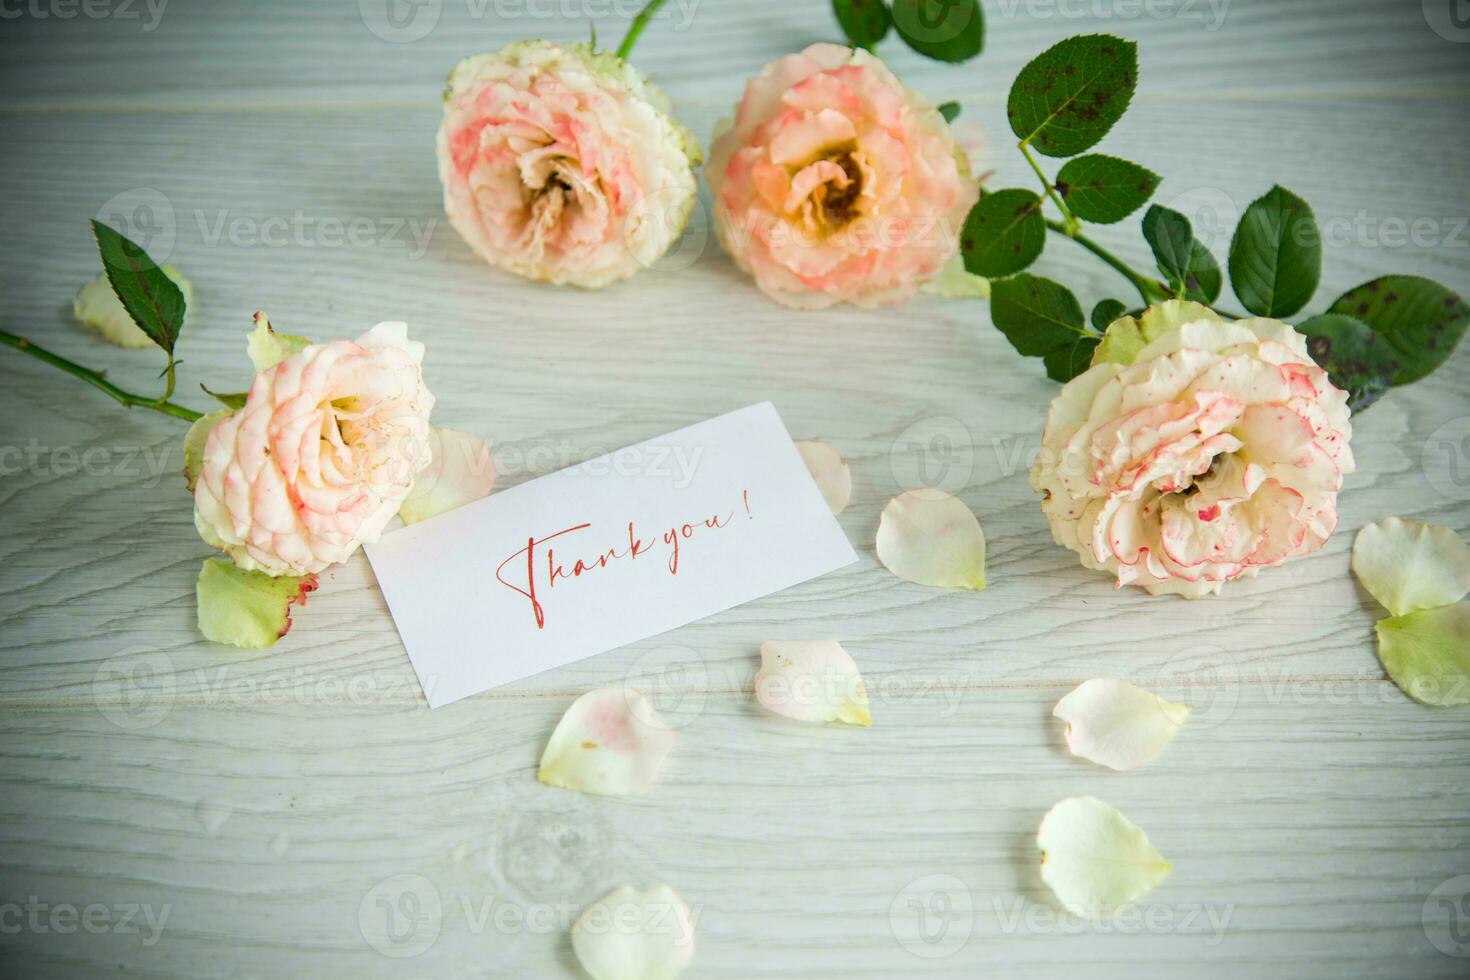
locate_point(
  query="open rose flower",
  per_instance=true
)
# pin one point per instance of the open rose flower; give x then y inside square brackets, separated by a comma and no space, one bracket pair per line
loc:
[834,183]
[321,455]
[562,164]
[1206,451]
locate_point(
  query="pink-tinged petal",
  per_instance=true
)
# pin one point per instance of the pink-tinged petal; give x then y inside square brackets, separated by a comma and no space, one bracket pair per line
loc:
[931,538]
[813,681]
[829,472]
[460,472]
[1117,725]
[1408,566]
[610,742]
[246,608]
[629,934]
[801,137]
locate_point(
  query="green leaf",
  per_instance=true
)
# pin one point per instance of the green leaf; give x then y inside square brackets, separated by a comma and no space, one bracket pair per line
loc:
[1202,281]
[945,30]
[230,399]
[1421,319]
[1427,653]
[1358,360]
[1276,255]
[1170,236]
[950,111]
[1065,364]
[1069,96]
[194,443]
[1003,234]
[865,22]
[1038,316]
[247,608]
[1105,312]
[152,299]
[1104,189]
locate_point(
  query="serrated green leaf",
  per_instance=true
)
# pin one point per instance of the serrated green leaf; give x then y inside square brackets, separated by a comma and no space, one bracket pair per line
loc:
[1104,189]
[1169,235]
[950,111]
[1202,281]
[1105,312]
[1065,364]
[230,399]
[247,608]
[152,299]
[1036,315]
[945,30]
[865,22]
[1421,319]
[1276,255]
[1358,360]
[1003,234]
[1069,96]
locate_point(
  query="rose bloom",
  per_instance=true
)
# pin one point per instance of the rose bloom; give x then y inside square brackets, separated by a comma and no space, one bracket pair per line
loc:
[321,455]
[1218,449]
[834,183]
[562,164]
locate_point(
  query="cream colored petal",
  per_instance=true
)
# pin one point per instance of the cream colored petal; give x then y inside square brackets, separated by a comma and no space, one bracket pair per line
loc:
[954,281]
[1427,653]
[831,474]
[268,348]
[460,471]
[931,538]
[1094,859]
[635,935]
[98,307]
[1117,725]
[611,742]
[1408,566]
[811,680]
[247,608]
[194,443]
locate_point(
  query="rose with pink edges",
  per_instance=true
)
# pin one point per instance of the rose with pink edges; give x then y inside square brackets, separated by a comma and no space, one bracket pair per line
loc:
[1208,451]
[834,183]
[562,164]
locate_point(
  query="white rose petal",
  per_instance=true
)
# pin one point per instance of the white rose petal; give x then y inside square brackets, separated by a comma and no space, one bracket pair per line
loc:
[1408,566]
[1094,859]
[1117,725]
[811,680]
[460,472]
[635,935]
[831,474]
[611,742]
[931,538]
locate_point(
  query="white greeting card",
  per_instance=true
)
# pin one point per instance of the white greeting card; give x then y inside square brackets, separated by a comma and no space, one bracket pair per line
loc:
[612,550]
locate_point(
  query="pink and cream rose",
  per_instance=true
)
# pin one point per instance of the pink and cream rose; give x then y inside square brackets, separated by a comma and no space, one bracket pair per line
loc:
[1194,451]
[562,164]
[320,457]
[834,183]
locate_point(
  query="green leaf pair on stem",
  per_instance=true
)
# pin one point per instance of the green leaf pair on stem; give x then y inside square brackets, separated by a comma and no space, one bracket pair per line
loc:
[945,30]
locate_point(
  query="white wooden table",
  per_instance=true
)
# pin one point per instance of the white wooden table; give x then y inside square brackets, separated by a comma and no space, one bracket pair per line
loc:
[271,804]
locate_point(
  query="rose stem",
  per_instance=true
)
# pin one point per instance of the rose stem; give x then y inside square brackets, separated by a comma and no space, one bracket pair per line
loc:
[634,29]
[97,380]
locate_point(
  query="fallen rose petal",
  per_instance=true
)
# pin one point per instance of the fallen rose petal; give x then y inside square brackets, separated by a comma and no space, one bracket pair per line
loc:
[831,474]
[611,742]
[931,538]
[811,680]
[635,935]
[247,608]
[268,348]
[194,443]
[98,307]
[954,281]
[460,471]
[1408,565]
[1117,725]
[1427,653]
[1094,859]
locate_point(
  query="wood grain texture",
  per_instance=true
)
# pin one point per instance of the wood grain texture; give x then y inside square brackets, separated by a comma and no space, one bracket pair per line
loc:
[286,153]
